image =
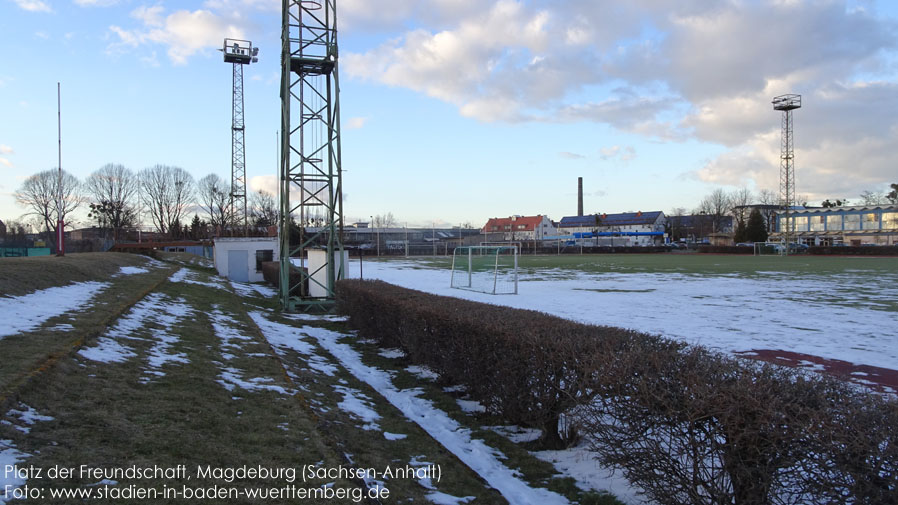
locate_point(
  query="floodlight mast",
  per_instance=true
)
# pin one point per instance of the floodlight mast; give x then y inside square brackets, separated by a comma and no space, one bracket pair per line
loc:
[787,103]
[310,160]
[239,53]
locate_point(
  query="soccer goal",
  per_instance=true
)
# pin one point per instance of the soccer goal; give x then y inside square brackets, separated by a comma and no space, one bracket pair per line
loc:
[487,269]
[769,248]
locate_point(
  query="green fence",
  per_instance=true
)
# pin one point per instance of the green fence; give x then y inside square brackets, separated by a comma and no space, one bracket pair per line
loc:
[18,252]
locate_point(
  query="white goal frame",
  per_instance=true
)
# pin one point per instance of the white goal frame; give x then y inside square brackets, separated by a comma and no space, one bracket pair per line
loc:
[463,262]
[778,247]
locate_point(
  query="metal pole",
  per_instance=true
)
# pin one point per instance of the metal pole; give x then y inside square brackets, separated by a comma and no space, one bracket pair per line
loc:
[60,225]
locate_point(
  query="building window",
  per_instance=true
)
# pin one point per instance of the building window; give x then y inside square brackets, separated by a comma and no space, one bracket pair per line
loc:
[262,256]
[870,221]
[890,220]
[801,223]
[852,222]
[834,222]
[816,223]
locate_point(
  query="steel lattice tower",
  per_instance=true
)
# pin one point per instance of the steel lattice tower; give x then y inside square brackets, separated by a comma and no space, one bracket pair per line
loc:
[239,53]
[787,103]
[310,164]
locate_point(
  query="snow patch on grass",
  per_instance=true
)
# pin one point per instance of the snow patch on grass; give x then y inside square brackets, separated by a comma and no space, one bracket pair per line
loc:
[252,290]
[580,464]
[422,372]
[130,271]
[9,457]
[27,417]
[190,277]
[283,337]
[392,353]
[475,453]
[29,312]
[359,406]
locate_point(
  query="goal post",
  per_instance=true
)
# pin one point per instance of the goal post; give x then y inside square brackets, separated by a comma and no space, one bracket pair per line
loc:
[769,248]
[486,269]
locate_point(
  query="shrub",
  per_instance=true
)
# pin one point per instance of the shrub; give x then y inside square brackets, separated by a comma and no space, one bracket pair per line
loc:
[685,424]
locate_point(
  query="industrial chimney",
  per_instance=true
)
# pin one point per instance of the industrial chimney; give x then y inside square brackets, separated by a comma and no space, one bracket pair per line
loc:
[579,196]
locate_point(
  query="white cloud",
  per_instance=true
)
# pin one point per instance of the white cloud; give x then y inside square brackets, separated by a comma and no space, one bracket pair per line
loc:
[184,32]
[95,3]
[5,149]
[700,70]
[33,5]
[571,156]
[354,123]
[619,153]
[5,162]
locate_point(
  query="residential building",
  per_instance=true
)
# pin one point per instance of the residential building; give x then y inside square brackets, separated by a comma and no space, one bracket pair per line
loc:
[518,228]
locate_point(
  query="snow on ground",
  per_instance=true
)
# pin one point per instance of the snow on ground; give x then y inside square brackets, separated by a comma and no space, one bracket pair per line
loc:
[476,454]
[359,406]
[422,372]
[156,314]
[725,312]
[10,457]
[130,271]
[247,289]
[392,353]
[28,312]
[190,277]
[283,337]
[580,464]
[26,416]
[231,338]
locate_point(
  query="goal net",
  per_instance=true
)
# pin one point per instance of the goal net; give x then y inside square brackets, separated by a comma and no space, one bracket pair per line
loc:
[769,248]
[487,269]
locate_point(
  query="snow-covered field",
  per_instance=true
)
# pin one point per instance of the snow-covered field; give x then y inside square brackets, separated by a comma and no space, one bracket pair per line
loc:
[844,316]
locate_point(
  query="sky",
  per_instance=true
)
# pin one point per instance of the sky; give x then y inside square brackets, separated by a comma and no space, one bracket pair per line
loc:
[455,111]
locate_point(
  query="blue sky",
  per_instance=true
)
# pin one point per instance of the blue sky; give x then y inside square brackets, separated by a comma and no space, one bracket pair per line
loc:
[455,111]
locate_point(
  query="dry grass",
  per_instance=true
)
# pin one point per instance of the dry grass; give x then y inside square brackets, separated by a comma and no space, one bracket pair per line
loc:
[20,276]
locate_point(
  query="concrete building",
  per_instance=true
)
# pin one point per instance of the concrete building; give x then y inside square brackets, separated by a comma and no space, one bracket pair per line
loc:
[240,258]
[626,229]
[850,226]
[516,228]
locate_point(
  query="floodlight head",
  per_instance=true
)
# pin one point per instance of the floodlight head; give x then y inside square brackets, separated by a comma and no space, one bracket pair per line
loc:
[255,60]
[255,51]
[787,102]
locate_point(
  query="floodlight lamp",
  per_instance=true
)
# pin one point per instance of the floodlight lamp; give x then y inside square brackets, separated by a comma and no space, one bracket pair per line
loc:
[255,51]
[255,60]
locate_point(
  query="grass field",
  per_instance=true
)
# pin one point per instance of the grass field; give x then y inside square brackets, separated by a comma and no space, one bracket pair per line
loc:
[170,365]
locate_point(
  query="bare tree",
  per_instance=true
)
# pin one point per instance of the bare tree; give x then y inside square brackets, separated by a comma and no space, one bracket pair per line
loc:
[384,220]
[769,201]
[168,191]
[40,194]
[214,196]
[716,206]
[263,208]
[113,189]
[740,200]
[870,197]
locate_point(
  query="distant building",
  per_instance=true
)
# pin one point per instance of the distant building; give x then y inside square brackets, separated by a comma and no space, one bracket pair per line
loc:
[622,229]
[699,228]
[515,228]
[855,226]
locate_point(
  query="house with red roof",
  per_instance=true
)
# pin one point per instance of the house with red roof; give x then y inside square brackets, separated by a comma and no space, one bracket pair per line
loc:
[515,228]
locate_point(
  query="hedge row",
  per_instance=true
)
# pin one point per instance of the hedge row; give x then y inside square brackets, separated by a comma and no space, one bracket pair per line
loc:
[686,425]
[864,250]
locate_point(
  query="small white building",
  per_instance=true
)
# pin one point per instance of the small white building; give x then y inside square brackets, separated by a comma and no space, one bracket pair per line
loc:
[240,258]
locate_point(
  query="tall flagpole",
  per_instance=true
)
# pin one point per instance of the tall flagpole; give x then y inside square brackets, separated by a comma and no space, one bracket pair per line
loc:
[60,225]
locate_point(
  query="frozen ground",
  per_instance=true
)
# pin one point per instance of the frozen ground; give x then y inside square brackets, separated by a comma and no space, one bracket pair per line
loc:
[805,313]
